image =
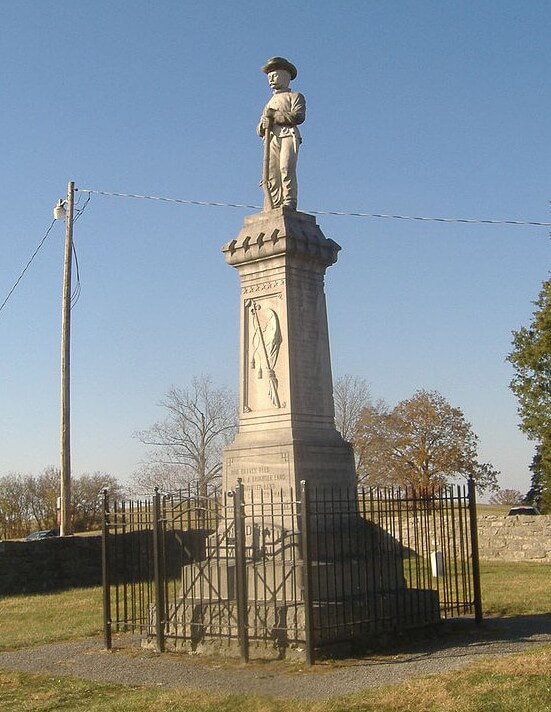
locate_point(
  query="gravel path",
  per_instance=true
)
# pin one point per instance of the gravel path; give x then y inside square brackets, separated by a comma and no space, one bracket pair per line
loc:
[132,666]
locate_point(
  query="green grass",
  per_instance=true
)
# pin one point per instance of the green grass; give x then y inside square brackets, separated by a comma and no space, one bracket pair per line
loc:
[519,683]
[515,589]
[47,618]
[19,691]
[509,589]
[500,510]
[514,683]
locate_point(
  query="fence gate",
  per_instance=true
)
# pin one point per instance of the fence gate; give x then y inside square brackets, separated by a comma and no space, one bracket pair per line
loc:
[267,572]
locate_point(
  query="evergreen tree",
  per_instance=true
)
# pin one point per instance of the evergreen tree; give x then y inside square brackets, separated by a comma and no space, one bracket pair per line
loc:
[531,359]
[535,495]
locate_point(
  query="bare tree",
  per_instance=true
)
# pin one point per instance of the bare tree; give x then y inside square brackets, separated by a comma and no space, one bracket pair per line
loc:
[29,502]
[86,496]
[187,445]
[15,516]
[43,492]
[351,394]
[507,497]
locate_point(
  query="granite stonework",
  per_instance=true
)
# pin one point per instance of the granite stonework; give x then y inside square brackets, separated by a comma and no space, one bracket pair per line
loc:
[515,538]
[287,427]
[287,435]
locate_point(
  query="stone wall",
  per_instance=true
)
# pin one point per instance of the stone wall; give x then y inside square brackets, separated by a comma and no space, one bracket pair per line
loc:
[516,538]
[70,562]
[75,562]
[500,538]
[49,564]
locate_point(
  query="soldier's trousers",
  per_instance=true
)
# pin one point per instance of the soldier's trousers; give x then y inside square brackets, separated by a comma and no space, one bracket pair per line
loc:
[282,173]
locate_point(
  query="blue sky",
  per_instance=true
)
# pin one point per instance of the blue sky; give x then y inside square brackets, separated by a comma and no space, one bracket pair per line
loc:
[417,108]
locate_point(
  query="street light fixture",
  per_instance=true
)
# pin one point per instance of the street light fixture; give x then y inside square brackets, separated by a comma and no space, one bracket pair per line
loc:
[60,212]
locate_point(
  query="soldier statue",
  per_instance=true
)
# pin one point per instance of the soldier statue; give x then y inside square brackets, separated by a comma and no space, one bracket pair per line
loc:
[279,128]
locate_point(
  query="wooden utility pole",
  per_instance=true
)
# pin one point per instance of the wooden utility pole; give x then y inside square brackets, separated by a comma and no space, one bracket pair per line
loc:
[65,426]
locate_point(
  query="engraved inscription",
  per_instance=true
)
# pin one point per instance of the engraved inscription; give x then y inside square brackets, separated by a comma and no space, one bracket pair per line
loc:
[260,472]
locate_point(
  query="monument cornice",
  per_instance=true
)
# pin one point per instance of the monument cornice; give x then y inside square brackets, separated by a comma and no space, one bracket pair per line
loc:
[277,232]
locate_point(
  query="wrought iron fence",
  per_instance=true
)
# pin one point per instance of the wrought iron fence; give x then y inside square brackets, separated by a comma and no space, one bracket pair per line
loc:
[264,570]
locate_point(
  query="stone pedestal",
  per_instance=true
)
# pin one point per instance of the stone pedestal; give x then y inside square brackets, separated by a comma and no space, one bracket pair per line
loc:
[287,421]
[254,568]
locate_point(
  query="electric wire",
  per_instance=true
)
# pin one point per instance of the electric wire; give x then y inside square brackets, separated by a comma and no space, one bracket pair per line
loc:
[339,213]
[12,290]
[218,204]
[78,287]
[75,295]
[181,201]
[79,211]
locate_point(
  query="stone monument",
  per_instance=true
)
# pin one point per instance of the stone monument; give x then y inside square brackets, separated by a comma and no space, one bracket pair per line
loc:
[286,435]
[287,421]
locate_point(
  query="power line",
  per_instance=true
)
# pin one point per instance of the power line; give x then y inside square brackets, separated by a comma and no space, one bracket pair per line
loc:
[339,213]
[181,201]
[75,295]
[12,290]
[78,210]
[217,204]
[77,289]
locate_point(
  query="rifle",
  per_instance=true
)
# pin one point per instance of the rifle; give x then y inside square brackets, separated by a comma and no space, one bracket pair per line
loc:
[271,373]
[268,205]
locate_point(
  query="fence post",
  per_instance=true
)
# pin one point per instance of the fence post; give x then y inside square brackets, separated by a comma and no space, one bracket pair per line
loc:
[158,573]
[474,552]
[307,572]
[106,573]
[241,572]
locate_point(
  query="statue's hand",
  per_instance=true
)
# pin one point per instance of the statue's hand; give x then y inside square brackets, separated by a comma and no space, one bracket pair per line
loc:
[265,121]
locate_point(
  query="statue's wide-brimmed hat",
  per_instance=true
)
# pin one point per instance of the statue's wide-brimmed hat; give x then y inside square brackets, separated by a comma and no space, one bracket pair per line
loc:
[280,63]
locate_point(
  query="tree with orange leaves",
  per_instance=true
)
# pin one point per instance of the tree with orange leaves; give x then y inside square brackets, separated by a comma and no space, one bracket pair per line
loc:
[423,442]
